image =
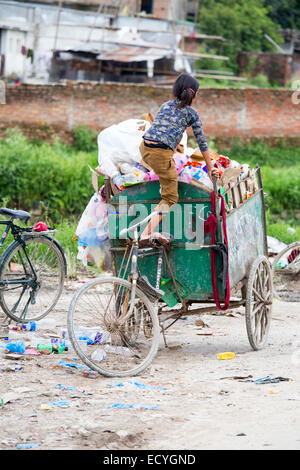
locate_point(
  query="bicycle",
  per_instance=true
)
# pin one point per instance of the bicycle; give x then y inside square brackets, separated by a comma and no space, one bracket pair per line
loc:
[125,332]
[32,270]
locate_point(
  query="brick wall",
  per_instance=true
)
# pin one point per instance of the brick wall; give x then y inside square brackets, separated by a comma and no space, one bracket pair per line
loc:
[224,112]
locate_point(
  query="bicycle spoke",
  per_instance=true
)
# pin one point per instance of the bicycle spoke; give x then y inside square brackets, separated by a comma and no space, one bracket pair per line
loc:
[100,306]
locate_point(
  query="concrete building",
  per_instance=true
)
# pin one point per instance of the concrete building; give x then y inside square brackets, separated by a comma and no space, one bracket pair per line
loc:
[33,33]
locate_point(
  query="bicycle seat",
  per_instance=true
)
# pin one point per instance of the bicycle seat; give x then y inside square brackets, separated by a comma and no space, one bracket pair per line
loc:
[14,214]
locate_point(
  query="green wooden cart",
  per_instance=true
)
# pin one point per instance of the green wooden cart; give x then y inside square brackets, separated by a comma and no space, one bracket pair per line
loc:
[152,287]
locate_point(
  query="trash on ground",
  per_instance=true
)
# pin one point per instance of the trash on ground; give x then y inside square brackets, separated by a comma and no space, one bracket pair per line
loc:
[136,384]
[200,323]
[212,333]
[132,405]
[275,246]
[16,346]
[60,403]
[268,380]
[226,355]
[46,407]
[72,364]
[32,352]
[237,377]
[27,446]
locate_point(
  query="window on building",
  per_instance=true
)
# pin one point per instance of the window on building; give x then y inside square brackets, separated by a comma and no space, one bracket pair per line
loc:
[147,6]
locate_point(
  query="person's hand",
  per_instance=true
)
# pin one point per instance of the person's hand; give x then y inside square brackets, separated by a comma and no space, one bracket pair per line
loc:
[214,172]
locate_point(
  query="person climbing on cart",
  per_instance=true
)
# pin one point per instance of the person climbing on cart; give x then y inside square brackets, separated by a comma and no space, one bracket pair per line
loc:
[160,142]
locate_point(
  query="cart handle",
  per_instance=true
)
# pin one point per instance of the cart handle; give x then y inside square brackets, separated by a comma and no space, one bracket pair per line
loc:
[124,231]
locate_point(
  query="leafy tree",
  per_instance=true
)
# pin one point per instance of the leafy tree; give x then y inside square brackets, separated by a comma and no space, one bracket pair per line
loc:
[285,12]
[243,23]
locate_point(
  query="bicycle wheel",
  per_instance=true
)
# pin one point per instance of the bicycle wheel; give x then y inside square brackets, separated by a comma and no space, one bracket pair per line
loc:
[117,346]
[27,294]
[286,273]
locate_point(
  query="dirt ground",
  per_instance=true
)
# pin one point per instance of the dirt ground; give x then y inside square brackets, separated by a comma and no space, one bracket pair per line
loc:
[192,400]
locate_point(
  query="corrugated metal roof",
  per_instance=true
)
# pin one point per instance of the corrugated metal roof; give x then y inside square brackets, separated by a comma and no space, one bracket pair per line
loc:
[133,54]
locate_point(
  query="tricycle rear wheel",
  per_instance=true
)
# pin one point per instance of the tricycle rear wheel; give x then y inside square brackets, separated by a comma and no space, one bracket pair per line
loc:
[259,299]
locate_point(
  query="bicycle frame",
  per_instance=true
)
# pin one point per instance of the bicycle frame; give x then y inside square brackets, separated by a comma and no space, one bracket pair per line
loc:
[10,226]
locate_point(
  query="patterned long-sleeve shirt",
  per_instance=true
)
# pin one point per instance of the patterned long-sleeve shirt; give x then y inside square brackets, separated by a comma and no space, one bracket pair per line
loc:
[170,123]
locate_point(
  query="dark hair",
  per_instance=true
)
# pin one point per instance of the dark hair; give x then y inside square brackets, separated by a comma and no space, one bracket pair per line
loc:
[185,89]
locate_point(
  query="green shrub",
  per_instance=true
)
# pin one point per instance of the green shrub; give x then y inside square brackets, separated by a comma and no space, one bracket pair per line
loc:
[260,81]
[54,177]
[85,138]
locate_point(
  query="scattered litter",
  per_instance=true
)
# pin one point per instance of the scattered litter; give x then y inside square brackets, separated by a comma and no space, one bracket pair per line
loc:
[61,403]
[199,322]
[9,397]
[132,405]
[13,356]
[98,355]
[211,333]
[226,355]
[175,346]
[137,384]
[69,388]
[274,245]
[268,380]
[46,407]
[237,377]
[16,346]
[27,446]
[118,350]
[32,352]
[72,364]
[233,314]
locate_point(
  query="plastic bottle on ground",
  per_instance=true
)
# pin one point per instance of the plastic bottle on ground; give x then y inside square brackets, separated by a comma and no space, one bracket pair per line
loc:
[98,355]
[46,324]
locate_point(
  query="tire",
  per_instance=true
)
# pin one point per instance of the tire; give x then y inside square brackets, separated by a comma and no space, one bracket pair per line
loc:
[259,301]
[33,301]
[285,275]
[97,308]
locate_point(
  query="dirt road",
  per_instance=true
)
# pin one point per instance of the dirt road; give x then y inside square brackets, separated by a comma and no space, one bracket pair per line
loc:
[189,399]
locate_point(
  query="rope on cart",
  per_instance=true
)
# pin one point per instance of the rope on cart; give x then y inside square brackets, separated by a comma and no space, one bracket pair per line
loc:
[211,227]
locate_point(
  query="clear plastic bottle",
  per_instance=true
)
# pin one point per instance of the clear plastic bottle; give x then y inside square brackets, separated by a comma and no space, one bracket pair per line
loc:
[98,355]
[46,324]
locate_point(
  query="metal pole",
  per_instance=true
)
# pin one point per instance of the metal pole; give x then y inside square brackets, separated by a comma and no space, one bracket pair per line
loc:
[57,24]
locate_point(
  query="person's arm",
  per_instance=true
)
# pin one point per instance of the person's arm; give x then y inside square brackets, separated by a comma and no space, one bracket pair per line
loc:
[201,140]
[210,169]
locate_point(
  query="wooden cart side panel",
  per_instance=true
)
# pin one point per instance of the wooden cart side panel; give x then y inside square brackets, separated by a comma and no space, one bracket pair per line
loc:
[246,237]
